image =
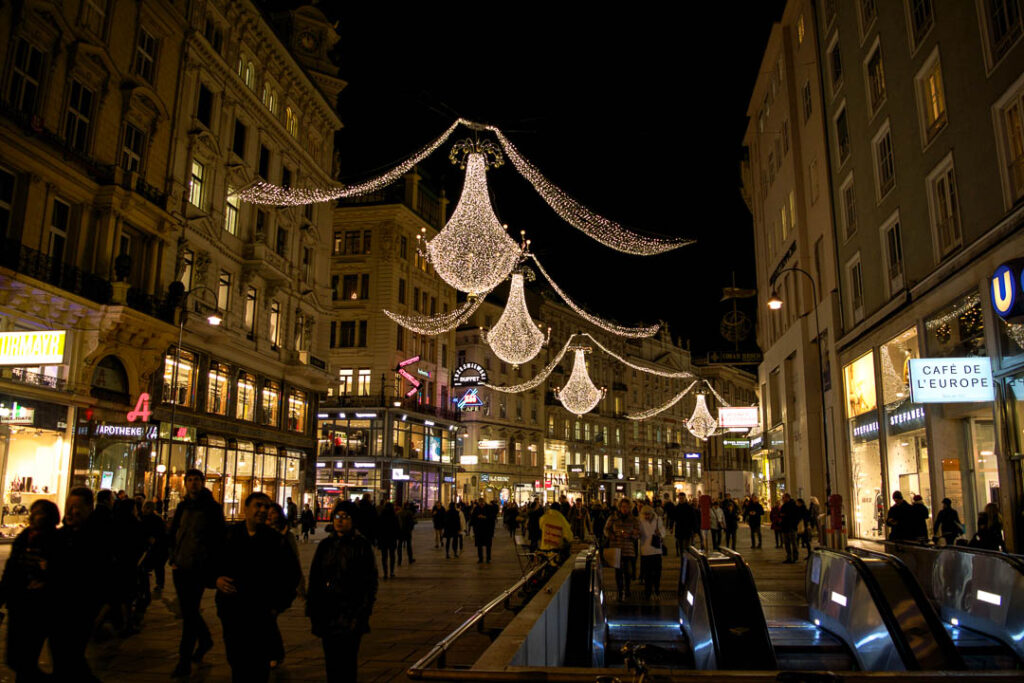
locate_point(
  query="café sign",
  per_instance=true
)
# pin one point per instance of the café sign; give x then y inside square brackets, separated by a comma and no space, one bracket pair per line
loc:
[951,380]
[42,347]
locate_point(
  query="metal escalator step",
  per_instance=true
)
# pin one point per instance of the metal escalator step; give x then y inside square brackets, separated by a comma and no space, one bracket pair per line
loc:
[782,598]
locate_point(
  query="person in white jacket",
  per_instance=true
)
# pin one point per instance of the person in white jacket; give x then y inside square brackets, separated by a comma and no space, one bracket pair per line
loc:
[652,542]
[717,524]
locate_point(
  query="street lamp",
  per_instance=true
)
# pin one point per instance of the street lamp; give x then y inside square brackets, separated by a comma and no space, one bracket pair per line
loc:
[775,303]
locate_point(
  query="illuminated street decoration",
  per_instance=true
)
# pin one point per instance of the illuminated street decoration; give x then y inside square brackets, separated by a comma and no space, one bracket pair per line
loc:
[538,379]
[620,330]
[432,325]
[473,253]
[681,374]
[651,412]
[515,338]
[579,395]
[701,424]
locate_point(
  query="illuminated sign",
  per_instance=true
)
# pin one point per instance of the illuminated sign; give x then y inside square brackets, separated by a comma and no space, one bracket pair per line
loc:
[757,441]
[691,456]
[490,444]
[1007,290]
[44,347]
[499,477]
[469,375]
[181,433]
[736,443]
[366,416]
[364,465]
[400,369]
[398,474]
[16,414]
[575,469]
[126,431]
[908,418]
[449,479]
[469,459]
[142,411]
[425,373]
[469,401]
[951,380]
[409,361]
[745,417]
[864,427]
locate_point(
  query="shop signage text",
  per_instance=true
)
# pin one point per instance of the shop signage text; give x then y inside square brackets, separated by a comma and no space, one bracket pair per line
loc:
[951,380]
[757,441]
[126,431]
[494,477]
[490,444]
[470,401]
[908,418]
[45,347]
[865,427]
[364,465]
[469,459]
[17,414]
[449,479]
[736,443]
[1007,290]
[691,455]
[469,375]
[398,474]
[575,469]
[737,417]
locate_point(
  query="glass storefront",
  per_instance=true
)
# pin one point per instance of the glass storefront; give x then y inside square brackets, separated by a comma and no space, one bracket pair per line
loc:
[868,504]
[906,442]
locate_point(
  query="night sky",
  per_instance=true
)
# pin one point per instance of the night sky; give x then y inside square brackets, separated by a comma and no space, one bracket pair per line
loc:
[638,114]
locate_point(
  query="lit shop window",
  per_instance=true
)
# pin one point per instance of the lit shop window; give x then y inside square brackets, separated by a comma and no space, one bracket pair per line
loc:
[180,379]
[296,410]
[245,406]
[217,389]
[271,403]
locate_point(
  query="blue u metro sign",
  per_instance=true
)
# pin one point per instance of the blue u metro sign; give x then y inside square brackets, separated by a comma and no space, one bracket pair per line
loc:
[1007,290]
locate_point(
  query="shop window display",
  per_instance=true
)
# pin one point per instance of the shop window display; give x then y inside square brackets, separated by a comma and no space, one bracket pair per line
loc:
[906,442]
[296,411]
[179,386]
[35,457]
[869,504]
[245,399]
[271,403]
[957,330]
[217,389]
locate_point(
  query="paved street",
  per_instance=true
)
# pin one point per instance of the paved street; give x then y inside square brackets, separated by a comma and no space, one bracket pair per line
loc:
[413,611]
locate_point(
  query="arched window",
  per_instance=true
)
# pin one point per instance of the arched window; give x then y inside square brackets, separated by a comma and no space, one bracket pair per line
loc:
[110,380]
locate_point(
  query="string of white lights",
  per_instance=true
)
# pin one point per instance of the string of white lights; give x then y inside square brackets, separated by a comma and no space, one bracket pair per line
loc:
[473,252]
[717,395]
[604,230]
[651,412]
[579,395]
[620,330]
[262,192]
[538,379]
[642,368]
[442,322]
[515,338]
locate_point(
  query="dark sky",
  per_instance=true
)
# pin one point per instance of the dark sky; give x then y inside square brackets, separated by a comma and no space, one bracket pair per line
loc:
[639,114]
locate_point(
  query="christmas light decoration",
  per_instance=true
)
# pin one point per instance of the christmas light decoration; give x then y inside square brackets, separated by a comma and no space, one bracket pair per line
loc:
[473,253]
[620,330]
[515,338]
[642,368]
[718,396]
[701,424]
[539,378]
[651,412]
[605,231]
[262,192]
[579,395]
[442,322]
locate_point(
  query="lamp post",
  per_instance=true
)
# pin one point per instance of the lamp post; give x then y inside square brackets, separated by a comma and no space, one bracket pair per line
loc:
[775,303]
[214,319]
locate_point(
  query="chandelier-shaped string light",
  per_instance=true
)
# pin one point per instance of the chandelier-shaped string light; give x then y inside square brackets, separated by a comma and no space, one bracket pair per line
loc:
[620,330]
[473,253]
[262,192]
[605,231]
[651,412]
[538,379]
[515,338]
[579,395]
[442,322]
[701,424]
[642,368]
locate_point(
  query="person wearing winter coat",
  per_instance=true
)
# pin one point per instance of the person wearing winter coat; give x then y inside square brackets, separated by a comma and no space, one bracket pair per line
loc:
[731,514]
[621,530]
[533,525]
[510,518]
[437,514]
[308,523]
[406,523]
[947,523]
[682,522]
[775,518]
[717,524]
[387,538]
[452,530]
[579,520]
[483,530]
[155,531]
[652,543]
[755,512]
[341,593]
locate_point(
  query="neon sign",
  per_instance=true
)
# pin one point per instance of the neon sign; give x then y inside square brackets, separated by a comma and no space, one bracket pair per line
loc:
[469,401]
[142,411]
[1007,290]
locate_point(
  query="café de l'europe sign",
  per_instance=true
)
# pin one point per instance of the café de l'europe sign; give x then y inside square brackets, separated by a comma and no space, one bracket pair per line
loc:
[951,380]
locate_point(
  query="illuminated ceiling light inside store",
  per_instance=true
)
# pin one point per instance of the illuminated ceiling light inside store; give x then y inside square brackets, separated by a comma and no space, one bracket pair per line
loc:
[473,253]
[579,395]
[701,424]
[774,302]
[515,338]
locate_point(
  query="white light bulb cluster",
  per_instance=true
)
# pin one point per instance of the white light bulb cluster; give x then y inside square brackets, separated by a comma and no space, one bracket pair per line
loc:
[701,424]
[262,192]
[515,338]
[579,395]
[432,325]
[651,412]
[538,379]
[473,253]
[681,374]
[620,330]
[605,231]
[718,396]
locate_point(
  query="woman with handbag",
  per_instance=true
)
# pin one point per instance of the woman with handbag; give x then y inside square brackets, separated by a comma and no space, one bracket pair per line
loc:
[652,543]
[621,530]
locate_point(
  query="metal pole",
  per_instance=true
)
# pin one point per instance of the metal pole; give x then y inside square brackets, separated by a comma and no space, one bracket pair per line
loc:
[174,405]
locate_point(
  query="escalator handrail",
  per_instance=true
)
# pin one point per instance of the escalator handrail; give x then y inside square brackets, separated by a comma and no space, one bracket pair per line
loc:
[881,604]
[1015,561]
[912,585]
[745,572]
[704,576]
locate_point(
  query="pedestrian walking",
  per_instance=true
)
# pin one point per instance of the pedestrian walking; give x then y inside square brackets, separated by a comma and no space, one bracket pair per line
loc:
[27,590]
[621,530]
[788,518]
[947,523]
[452,530]
[129,546]
[510,518]
[775,520]
[803,527]
[279,523]
[814,510]
[682,524]
[899,519]
[342,590]
[483,531]
[368,515]
[387,538]
[579,519]
[555,533]
[308,522]
[731,515]
[155,530]
[919,519]
[533,524]
[437,515]
[292,511]
[717,524]
[990,530]
[197,531]
[257,577]
[755,511]
[652,541]
[406,523]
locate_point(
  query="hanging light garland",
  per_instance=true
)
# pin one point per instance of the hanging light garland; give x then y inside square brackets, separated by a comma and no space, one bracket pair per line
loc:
[579,395]
[701,424]
[681,374]
[432,325]
[538,379]
[473,253]
[262,192]
[620,330]
[605,231]
[515,338]
[651,412]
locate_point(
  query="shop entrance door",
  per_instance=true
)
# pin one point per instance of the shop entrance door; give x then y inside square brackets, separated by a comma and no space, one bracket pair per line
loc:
[980,471]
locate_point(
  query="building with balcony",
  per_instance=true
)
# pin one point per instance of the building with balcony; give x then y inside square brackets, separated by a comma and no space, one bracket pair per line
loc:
[124,128]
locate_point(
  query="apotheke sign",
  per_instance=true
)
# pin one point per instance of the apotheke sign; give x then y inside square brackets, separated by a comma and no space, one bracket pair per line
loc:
[951,380]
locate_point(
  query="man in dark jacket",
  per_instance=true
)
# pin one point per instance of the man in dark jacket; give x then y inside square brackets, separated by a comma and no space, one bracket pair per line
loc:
[406,523]
[197,530]
[790,516]
[899,519]
[755,512]
[257,576]
[483,530]
[533,524]
[342,590]
[682,524]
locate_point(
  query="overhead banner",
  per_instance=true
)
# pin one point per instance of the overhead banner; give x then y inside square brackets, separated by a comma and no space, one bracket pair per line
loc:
[43,347]
[746,417]
[951,380]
